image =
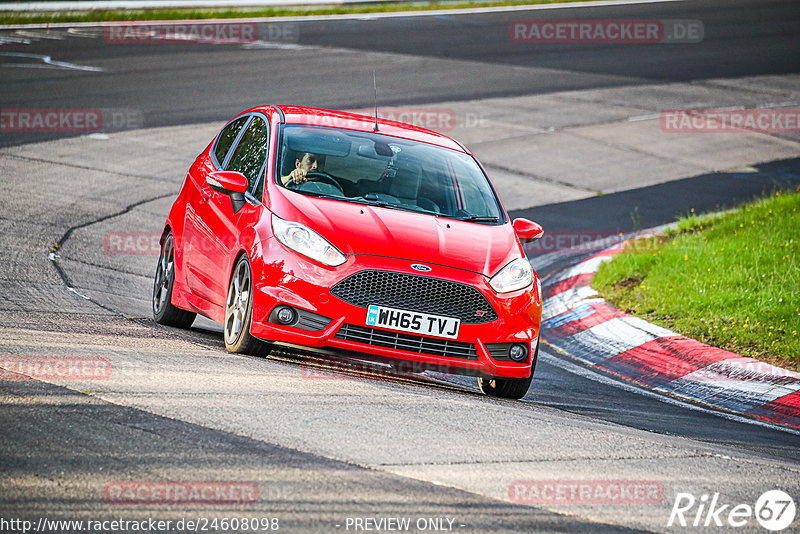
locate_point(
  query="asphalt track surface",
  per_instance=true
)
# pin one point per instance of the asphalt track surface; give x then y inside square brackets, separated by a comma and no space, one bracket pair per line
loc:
[419,60]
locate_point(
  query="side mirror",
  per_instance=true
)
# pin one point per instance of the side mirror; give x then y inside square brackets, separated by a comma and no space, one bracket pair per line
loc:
[527,230]
[231,183]
[227,182]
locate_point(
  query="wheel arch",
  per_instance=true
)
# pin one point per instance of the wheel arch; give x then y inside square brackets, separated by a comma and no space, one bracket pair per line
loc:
[179,283]
[165,232]
[235,262]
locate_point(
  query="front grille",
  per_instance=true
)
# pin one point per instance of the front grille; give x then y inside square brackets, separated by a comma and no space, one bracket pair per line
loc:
[409,342]
[415,293]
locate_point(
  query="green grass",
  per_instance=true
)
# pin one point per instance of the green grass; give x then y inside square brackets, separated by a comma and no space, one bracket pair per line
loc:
[731,281]
[38,17]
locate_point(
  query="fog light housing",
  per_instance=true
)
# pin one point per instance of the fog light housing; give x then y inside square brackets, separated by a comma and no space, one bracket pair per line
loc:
[285,315]
[518,352]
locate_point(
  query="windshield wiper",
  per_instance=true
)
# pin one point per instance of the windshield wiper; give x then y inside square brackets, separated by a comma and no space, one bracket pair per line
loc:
[379,203]
[317,195]
[372,199]
[402,207]
[478,218]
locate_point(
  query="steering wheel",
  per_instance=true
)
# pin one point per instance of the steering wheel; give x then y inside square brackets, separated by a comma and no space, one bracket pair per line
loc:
[320,176]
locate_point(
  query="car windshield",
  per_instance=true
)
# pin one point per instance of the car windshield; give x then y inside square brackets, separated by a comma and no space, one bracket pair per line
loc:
[391,172]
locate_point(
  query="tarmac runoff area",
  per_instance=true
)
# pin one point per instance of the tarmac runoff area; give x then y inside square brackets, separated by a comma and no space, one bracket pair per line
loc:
[538,150]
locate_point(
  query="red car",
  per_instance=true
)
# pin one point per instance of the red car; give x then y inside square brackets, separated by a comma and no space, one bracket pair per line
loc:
[334,231]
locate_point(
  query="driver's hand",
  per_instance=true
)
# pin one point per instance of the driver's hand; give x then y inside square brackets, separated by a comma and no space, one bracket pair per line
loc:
[298,176]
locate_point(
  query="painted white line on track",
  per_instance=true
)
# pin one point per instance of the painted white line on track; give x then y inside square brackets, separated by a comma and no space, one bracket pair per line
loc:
[155,4]
[46,62]
[365,16]
[261,45]
[46,34]
[583,372]
[13,40]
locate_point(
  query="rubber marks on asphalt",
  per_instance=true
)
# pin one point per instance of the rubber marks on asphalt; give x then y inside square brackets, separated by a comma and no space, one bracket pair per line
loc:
[579,322]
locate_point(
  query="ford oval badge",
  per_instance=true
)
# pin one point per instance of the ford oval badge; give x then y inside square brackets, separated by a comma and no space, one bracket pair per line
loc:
[420,267]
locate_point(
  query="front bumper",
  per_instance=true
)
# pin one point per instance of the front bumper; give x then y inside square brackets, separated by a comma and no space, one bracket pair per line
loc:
[305,285]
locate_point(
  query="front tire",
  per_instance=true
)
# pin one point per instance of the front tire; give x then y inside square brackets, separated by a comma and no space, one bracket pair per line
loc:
[508,388]
[163,310]
[239,313]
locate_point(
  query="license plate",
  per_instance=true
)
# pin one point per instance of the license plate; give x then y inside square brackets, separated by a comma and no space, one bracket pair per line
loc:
[414,322]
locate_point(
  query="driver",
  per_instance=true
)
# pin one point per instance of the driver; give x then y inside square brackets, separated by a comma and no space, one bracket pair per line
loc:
[304,164]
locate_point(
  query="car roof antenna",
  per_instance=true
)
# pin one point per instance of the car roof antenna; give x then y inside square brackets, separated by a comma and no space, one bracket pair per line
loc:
[375,87]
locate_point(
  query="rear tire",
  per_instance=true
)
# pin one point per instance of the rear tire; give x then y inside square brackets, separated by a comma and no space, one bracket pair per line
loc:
[163,310]
[239,313]
[508,388]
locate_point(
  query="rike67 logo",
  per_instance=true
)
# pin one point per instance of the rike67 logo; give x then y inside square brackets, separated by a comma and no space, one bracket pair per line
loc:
[774,510]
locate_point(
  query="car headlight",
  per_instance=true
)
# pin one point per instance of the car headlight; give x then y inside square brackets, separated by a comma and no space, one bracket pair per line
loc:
[306,241]
[516,275]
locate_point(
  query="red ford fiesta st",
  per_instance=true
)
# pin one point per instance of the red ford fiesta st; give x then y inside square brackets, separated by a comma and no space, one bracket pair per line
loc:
[335,231]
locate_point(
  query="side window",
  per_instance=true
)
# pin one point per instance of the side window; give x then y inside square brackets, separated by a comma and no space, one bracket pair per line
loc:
[227,137]
[251,152]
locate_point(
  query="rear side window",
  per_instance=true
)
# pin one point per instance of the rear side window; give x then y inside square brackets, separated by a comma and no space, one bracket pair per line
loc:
[227,137]
[251,152]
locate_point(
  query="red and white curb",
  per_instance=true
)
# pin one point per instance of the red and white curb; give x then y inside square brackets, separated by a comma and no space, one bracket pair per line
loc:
[576,320]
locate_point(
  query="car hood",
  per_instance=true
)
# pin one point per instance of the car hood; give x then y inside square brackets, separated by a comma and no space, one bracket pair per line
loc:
[417,237]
